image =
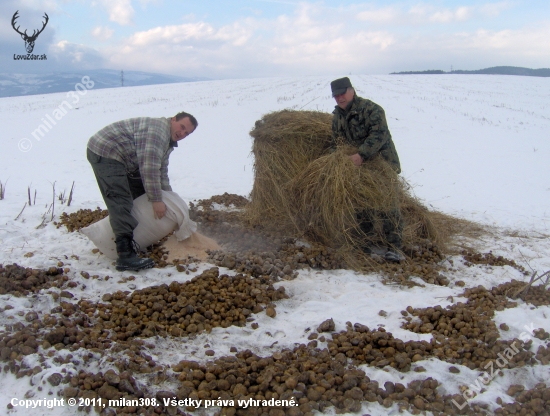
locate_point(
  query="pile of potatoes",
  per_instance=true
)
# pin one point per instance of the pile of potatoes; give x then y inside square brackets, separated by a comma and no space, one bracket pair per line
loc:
[81,218]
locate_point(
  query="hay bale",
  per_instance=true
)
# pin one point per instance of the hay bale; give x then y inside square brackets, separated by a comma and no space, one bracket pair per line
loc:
[285,142]
[301,189]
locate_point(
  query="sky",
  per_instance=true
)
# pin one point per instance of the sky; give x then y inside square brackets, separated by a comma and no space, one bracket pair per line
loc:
[261,38]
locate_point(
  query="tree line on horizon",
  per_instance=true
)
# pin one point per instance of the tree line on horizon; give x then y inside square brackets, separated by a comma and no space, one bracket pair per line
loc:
[496,70]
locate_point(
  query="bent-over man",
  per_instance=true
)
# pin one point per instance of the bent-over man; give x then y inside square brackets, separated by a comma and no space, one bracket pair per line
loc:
[362,123]
[129,159]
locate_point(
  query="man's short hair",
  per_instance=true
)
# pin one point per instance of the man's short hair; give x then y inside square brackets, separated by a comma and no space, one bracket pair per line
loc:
[192,119]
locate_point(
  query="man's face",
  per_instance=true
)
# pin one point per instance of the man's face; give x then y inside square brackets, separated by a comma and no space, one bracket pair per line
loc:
[344,99]
[181,129]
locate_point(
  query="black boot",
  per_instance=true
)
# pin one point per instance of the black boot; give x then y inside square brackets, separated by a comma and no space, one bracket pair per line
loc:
[127,256]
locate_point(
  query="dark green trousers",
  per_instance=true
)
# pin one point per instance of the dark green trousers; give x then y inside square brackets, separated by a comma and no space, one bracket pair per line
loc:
[119,189]
[392,225]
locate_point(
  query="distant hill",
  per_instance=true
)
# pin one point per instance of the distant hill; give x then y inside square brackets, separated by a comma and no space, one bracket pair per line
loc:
[496,70]
[12,85]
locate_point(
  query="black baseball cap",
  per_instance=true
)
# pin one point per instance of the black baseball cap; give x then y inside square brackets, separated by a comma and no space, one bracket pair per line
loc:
[340,85]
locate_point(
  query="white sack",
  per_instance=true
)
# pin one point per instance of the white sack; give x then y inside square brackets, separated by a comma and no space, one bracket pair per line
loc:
[149,229]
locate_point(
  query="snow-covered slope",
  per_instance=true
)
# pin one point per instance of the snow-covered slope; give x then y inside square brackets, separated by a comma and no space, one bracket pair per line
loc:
[476,147]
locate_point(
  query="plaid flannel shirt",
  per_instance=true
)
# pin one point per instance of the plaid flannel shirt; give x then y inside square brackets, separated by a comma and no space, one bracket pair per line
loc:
[142,143]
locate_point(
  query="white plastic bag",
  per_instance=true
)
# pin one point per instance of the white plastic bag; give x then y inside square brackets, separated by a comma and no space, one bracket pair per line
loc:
[149,229]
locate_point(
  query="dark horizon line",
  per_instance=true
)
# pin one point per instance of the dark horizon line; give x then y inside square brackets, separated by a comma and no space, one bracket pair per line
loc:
[495,70]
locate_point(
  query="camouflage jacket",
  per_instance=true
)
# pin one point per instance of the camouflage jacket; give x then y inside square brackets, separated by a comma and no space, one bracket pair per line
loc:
[142,144]
[363,124]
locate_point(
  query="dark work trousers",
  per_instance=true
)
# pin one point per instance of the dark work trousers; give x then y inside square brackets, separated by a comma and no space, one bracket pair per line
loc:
[119,189]
[392,225]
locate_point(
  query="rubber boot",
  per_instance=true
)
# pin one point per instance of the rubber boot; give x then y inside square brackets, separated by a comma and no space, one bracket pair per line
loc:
[393,255]
[127,255]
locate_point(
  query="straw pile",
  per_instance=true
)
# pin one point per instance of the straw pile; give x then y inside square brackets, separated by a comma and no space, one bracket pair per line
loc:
[285,142]
[302,189]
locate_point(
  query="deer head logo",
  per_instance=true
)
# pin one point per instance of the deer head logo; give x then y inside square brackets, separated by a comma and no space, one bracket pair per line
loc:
[29,40]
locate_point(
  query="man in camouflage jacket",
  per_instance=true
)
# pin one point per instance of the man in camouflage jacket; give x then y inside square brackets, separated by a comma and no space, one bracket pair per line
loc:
[129,159]
[362,123]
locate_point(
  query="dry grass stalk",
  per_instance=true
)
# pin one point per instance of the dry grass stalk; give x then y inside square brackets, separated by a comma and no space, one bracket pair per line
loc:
[53,203]
[3,189]
[21,212]
[448,227]
[44,216]
[70,195]
[534,278]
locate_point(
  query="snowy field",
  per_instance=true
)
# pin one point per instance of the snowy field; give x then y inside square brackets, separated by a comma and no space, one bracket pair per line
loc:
[476,147]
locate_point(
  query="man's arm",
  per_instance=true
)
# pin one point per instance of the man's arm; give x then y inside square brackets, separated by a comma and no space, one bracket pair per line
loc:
[150,143]
[377,134]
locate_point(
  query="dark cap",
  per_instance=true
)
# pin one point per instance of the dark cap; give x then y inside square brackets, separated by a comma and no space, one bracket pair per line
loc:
[340,85]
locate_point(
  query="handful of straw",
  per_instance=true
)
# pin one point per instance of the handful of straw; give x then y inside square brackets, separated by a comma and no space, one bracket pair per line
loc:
[330,192]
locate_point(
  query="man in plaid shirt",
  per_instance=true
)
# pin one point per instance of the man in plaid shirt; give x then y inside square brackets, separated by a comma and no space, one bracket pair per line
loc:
[129,159]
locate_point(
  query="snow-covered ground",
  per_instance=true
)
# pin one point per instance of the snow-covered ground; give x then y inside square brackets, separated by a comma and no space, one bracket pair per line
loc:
[473,146]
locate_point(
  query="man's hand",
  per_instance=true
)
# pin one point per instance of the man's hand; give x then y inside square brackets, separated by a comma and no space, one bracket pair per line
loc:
[160,209]
[356,159]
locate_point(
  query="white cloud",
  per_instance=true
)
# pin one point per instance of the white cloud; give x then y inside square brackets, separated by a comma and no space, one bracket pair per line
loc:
[494,9]
[421,14]
[170,34]
[49,6]
[446,16]
[443,16]
[102,33]
[307,40]
[235,34]
[462,13]
[387,14]
[419,11]
[144,3]
[61,45]
[332,54]
[316,39]
[120,11]
[424,13]
[71,54]
[527,47]
[532,41]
